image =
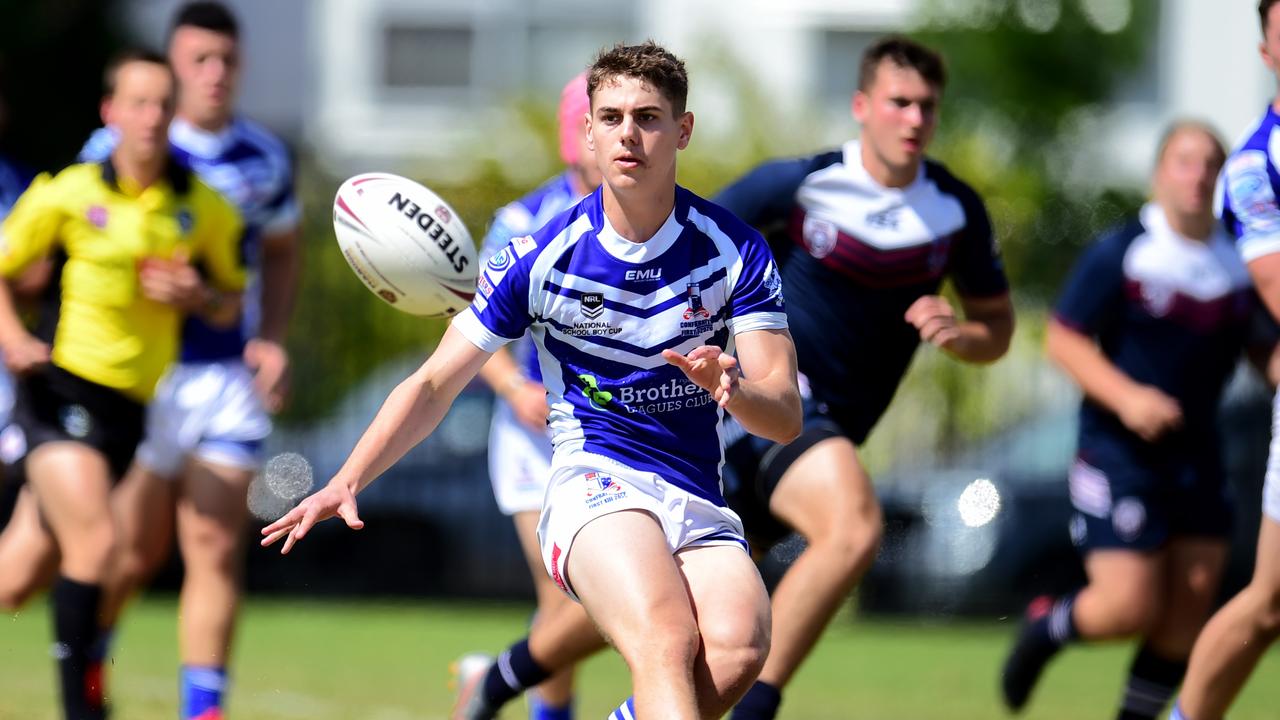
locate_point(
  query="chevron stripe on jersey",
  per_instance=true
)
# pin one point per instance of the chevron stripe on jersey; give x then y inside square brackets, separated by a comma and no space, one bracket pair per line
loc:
[601,309]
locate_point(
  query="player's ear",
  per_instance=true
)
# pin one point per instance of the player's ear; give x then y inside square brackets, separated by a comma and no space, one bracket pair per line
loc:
[1267,60]
[858,106]
[686,130]
[104,110]
[591,141]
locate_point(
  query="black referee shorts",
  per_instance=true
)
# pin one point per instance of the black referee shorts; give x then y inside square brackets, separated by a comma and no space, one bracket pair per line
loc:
[54,405]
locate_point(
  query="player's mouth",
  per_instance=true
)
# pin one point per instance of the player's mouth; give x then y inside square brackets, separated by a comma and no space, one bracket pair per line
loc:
[628,162]
[912,145]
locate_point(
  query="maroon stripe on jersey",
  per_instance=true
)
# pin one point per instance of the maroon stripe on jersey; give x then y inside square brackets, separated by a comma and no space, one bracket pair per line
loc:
[1200,316]
[854,257]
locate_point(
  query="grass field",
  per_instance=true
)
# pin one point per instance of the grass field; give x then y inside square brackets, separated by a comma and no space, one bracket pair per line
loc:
[384,661]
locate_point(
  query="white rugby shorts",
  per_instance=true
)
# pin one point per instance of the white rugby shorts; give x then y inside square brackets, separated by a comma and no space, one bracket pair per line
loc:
[208,411]
[519,462]
[591,486]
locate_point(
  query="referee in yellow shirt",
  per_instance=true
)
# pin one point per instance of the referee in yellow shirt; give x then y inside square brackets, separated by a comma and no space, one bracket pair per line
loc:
[128,234]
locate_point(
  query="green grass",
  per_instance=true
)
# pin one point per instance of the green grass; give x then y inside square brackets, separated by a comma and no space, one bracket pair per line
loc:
[386,661]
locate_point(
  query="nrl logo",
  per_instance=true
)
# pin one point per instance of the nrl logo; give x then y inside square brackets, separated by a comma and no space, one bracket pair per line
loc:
[592,304]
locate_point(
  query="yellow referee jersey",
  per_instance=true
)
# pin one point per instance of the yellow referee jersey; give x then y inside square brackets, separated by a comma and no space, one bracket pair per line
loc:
[107,331]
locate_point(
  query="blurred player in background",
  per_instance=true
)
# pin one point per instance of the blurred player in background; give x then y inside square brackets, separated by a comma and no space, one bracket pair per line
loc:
[1237,636]
[124,233]
[865,236]
[633,524]
[206,427]
[1151,325]
[519,444]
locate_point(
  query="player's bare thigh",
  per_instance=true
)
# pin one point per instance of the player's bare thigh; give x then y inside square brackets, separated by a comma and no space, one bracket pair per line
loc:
[826,493]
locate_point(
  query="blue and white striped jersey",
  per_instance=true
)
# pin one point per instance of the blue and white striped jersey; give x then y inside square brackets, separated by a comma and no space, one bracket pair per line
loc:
[522,217]
[253,170]
[601,309]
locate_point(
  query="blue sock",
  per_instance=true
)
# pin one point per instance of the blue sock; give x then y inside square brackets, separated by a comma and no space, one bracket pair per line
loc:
[625,711]
[539,710]
[1177,712]
[202,688]
[760,703]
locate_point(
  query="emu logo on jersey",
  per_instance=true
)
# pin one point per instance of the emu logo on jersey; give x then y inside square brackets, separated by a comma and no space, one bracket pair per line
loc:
[599,399]
[820,236]
[695,309]
[592,304]
[643,275]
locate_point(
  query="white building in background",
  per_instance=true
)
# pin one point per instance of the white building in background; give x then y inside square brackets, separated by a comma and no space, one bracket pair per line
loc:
[432,87]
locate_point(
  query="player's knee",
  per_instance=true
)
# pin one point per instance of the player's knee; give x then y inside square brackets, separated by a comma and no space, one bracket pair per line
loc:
[93,549]
[1133,611]
[13,596]
[664,642]
[854,544]
[1269,616]
[210,547]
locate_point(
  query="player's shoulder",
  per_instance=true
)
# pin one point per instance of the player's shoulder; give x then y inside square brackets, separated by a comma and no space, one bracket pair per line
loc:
[710,218]
[73,179]
[1115,240]
[948,182]
[260,140]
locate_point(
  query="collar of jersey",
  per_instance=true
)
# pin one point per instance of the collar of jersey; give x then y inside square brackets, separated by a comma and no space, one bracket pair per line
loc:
[200,142]
[178,177]
[853,162]
[1157,223]
[633,252]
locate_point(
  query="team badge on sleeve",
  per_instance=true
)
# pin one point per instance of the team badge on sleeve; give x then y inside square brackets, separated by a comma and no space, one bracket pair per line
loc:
[522,245]
[1252,196]
[773,283]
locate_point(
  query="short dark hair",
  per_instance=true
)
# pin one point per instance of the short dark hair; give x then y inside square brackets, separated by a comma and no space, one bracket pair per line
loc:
[905,53]
[1264,10]
[207,15]
[1177,127]
[131,55]
[649,62]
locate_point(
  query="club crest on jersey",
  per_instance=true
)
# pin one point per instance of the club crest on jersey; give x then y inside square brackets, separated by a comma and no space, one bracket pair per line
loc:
[592,304]
[602,489]
[500,261]
[591,390]
[773,283]
[695,309]
[185,220]
[1157,298]
[97,216]
[820,236]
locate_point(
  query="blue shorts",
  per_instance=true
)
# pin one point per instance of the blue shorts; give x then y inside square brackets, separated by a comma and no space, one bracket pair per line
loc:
[1134,496]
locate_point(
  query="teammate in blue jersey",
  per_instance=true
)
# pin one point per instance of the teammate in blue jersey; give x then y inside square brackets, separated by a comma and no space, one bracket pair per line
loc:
[637,300]
[1236,637]
[207,422]
[865,236]
[1151,324]
[519,445]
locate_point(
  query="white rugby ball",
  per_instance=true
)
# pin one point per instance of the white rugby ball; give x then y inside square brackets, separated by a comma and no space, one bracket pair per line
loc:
[405,244]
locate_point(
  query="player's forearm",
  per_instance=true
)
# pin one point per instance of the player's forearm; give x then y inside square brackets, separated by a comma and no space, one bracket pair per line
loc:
[412,412]
[11,328]
[768,407]
[281,262]
[1077,354]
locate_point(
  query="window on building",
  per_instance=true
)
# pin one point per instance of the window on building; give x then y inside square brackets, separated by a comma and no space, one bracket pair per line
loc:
[427,57]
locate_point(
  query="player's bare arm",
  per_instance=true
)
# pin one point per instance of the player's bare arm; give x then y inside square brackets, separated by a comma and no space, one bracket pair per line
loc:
[410,414]
[982,335]
[1144,409]
[766,398]
[266,354]
[22,351]
[526,397]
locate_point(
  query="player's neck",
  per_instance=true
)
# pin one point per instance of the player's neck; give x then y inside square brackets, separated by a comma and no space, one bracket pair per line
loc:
[1193,226]
[637,215]
[142,173]
[884,173]
[213,124]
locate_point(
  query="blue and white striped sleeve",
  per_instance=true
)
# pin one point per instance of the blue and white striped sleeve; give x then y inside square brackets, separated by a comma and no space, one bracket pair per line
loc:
[499,313]
[756,300]
[1251,196]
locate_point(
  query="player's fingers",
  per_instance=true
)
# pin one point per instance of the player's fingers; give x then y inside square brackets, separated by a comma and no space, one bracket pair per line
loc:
[288,520]
[275,536]
[289,541]
[705,352]
[945,336]
[675,358]
[347,511]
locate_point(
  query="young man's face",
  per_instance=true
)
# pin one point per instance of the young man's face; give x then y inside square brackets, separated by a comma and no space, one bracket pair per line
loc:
[634,134]
[1186,173]
[898,114]
[140,109]
[207,64]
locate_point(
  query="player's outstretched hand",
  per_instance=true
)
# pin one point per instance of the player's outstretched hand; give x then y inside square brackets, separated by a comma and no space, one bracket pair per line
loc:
[710,368]
[334,499]
[935,319]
